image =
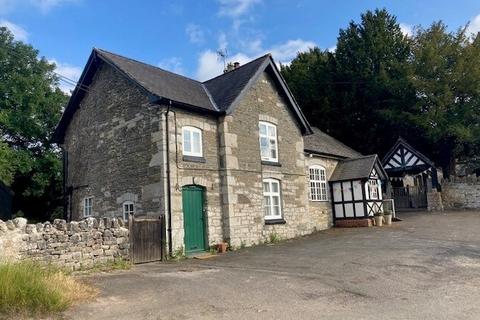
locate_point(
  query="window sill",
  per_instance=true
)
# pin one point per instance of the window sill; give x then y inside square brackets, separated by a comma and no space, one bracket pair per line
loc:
[275,221]
[319,200]
[194,159]
[271,163]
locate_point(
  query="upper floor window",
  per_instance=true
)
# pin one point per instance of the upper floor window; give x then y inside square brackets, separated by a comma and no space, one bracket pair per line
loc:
[268,141]
[373,188]
[192,142]
[271,199]
[318,184]
[87,207]
[128,209]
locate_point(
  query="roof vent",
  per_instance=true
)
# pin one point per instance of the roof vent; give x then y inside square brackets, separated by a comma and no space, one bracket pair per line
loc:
[236,64]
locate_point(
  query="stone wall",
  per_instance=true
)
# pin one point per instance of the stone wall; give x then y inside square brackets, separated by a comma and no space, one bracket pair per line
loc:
[461,193]
[74,245]
[114,149]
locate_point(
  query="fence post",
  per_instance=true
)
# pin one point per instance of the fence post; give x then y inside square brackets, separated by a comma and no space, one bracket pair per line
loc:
[163,237]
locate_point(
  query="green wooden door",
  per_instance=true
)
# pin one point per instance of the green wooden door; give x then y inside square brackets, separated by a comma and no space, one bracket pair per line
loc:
[193,220]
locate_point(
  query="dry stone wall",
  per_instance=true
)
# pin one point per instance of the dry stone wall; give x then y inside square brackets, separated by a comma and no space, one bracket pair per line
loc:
[461,193]
[75,245]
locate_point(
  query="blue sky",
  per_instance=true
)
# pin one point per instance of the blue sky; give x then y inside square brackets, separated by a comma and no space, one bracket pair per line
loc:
[183,36]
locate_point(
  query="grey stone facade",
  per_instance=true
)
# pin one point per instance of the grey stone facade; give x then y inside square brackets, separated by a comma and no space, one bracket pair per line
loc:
[116,143]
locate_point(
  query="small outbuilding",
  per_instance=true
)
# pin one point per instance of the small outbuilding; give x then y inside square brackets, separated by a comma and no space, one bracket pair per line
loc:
[412,175]
[356,188]
[6,197]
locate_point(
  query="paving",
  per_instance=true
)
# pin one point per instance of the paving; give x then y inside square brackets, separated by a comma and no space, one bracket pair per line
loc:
[424,267]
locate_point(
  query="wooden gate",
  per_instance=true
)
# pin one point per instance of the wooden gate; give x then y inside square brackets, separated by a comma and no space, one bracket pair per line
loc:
[410,197]
[146,239]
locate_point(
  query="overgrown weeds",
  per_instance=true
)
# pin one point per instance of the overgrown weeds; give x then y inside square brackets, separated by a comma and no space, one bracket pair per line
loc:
[32,289]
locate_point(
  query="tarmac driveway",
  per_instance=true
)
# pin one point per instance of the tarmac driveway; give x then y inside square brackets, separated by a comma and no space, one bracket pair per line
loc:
[425,267]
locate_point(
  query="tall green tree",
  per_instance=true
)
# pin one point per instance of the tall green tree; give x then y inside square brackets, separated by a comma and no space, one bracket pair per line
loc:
[362,93]
[447,81]
[30,107]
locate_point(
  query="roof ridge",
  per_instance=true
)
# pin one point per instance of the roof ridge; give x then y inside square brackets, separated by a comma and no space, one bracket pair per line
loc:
[361,157]
[240,67]
[147,64]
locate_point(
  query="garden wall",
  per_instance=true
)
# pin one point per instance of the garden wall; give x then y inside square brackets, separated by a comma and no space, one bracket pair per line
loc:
[461,193]
[75,245]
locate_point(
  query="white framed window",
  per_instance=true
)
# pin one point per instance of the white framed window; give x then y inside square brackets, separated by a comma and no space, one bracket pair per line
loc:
[272,199]
[373,188]
[192,142]
[268,141]
[318,184]
[87,206]
[128,209]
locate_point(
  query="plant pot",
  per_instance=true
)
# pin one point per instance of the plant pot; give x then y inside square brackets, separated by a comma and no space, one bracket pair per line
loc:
[222,247]
[378,221]
[388,219]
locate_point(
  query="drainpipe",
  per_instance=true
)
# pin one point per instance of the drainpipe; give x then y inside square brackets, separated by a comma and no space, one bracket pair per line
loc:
[169,192]
[64,182]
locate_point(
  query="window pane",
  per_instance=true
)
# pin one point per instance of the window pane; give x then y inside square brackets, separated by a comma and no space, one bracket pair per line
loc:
[275,201]
[275,187]
[187,141]
[263,129]
[196,142]
[276,211]
[271,131]
[266,187]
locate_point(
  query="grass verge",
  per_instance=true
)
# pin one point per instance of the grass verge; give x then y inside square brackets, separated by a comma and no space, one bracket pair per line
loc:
[31,289]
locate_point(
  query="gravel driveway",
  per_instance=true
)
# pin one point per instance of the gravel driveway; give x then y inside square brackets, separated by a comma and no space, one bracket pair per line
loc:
[424,267]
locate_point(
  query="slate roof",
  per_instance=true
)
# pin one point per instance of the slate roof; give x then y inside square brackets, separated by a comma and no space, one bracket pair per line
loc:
[161,82]
[321,143]
[217,95]
[227,87]
[356,168]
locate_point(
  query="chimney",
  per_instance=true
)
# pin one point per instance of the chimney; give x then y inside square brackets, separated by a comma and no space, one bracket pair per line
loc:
[230,67]
[236,64]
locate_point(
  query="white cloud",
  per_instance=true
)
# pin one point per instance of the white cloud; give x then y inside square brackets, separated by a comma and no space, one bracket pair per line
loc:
[210,65]
[195,33]
[332,49]
[235,8]
[285,52]
[474,26]
[44,5]
[406,29]
[20,33]
[173,64]
[68,71]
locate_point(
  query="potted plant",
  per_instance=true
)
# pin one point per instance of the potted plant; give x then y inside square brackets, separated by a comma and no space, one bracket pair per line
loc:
[222,247]
[388,217]
[378,219]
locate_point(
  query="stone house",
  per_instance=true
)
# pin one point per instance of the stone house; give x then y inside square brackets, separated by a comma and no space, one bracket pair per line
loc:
[229,159]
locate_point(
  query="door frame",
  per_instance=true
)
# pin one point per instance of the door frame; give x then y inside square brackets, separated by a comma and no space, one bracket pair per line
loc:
[204,218]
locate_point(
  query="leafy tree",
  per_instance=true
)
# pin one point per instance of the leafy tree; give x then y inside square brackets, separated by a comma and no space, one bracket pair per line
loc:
[447,81]
[30,107]
[364,87]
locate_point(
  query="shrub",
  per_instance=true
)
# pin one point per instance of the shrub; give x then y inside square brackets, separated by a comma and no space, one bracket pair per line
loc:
[30,288]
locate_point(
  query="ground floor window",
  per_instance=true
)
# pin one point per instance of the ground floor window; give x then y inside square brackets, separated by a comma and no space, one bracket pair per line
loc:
[373,188]
[128,209]
[87,206]
[318,184]
[272,199]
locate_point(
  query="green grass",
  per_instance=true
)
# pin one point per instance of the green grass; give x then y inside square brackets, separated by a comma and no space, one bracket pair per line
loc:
[30,289]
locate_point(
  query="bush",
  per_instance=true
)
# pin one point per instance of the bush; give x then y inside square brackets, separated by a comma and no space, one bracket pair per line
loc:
[30,288]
